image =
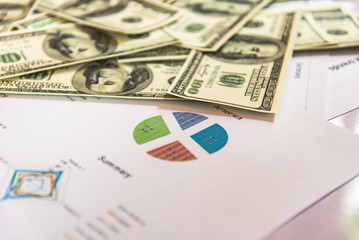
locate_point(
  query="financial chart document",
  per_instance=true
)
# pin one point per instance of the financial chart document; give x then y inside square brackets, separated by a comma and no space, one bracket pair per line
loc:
[108,170]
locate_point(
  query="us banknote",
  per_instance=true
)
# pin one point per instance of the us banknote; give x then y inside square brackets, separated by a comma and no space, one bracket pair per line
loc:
[207,24]
[11,11]
[23,52]
[249,71]
[125,16]
[160,54]
[172,52]
[165,1]
[307,37]
[115,78]
[38,20]
[327,28]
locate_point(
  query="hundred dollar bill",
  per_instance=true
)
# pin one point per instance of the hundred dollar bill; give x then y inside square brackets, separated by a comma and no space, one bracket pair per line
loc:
[164,53]
[27,51]
[125,16]
[165,1]
[327,28]
[160,54]
[11,11]
[307,37]
[38,20]
[113,78]
[208,24]
[248,72]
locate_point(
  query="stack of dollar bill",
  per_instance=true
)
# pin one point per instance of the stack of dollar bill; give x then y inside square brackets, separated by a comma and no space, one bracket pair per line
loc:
[327,29]
[231,52]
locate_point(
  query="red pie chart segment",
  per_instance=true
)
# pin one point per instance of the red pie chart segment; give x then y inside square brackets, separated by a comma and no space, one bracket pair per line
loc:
[174,151]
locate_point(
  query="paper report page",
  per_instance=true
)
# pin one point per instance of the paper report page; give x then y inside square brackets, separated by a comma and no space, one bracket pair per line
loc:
[95,170]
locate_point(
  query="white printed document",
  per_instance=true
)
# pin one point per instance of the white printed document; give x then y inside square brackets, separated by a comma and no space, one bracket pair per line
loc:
[343,83]
[160,170]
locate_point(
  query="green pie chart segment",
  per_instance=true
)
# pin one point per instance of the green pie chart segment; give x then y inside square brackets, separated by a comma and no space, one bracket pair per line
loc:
[150,129]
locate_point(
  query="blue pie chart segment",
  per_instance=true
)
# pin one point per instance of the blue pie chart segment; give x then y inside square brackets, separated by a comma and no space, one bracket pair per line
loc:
[212,138]
[187,120]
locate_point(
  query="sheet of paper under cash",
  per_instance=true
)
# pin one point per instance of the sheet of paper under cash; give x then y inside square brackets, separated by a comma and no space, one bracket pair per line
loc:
[28,51]
[249,71]
[130,17]
[208,24]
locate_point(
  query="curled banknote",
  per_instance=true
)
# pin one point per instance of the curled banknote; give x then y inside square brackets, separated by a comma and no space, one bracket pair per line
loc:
[114,78]
[11,11]
[171,52]
[27,51]
[125,16]
[39,20]
[327,28]
[250,69]
[207,24]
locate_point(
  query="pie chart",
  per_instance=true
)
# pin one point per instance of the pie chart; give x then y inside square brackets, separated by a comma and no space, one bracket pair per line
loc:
[211,139]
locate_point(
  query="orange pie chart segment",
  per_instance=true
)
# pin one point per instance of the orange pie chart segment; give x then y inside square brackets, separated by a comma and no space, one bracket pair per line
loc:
[174,151]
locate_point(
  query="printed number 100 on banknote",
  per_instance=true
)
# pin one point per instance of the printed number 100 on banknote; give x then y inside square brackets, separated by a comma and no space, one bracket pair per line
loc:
[248,71]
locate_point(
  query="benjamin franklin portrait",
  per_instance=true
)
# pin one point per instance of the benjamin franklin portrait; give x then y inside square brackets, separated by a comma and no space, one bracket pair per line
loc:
[250,50]
[76,43]
[110,78]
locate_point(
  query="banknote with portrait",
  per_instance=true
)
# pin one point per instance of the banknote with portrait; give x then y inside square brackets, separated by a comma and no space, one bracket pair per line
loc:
[327,28]
[114,78]
[207,24]
[248,71]
[28,51]
[11,11]
[171,52]
[125,16]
